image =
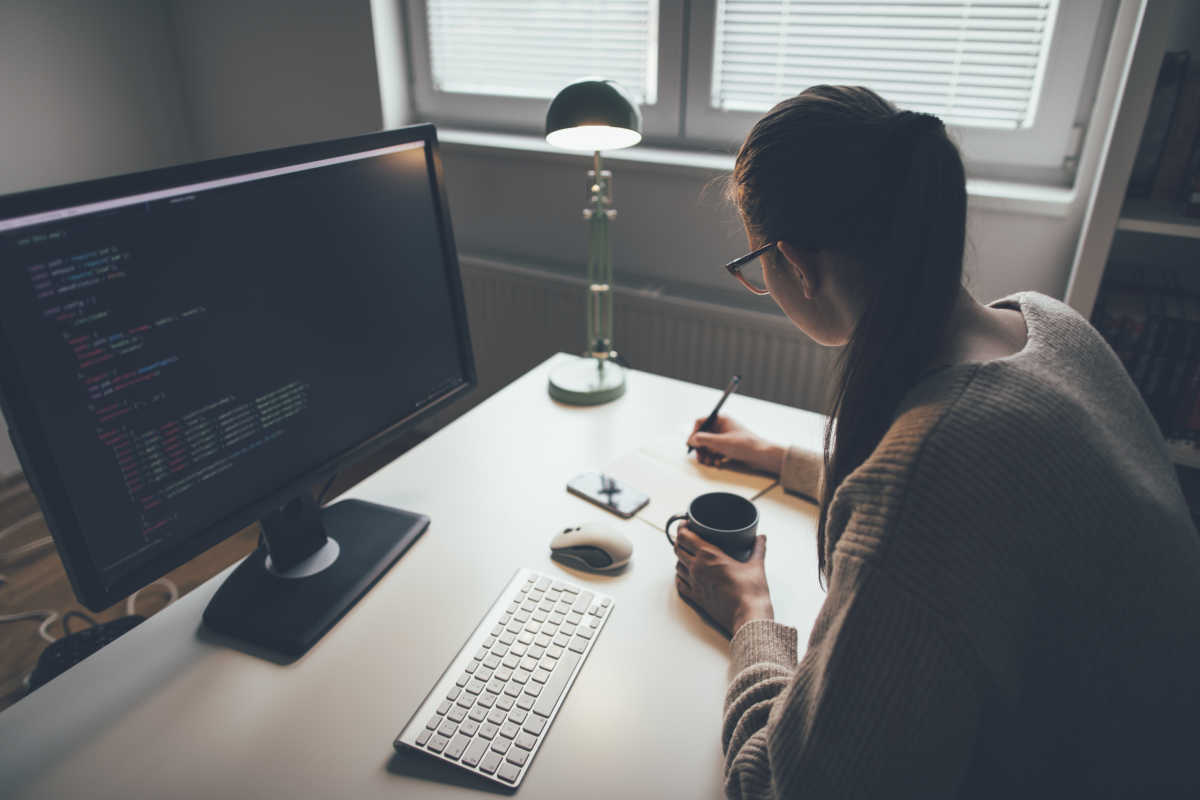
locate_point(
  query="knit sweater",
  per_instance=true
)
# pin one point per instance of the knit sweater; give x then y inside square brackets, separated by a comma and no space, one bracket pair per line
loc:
[1013,607]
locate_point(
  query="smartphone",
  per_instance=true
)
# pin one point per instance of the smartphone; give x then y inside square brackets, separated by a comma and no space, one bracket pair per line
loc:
[608,493]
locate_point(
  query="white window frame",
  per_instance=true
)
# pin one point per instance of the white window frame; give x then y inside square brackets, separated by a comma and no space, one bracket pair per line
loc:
[660,121]
[683,116]
[1039,149]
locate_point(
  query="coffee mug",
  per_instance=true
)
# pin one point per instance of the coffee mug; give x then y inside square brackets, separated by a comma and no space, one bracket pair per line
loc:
[729,521]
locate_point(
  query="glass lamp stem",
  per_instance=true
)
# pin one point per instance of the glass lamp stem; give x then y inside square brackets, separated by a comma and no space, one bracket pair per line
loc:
[599,300]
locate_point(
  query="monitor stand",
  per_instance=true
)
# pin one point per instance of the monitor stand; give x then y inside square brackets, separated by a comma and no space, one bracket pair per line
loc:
[312,565]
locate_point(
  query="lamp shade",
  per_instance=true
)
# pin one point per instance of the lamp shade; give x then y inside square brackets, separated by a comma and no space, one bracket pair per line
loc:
[593,114]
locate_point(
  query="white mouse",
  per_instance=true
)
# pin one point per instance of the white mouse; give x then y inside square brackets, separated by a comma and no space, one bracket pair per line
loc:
[592,545]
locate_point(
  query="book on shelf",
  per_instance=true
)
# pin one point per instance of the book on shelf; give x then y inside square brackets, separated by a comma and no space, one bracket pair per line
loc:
[1153,326]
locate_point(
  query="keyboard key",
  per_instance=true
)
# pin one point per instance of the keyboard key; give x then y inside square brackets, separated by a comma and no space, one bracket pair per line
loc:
[578,644]
[606,602]
[500,744]
[557,618]
[465,700]
[521,617]
[447,729]
[585,632]
[434,721]
[495,686]
[457,713]
[472,665]
[582,602]
[491,662]
[525,741]
[533,689]
[457,746]
[511,660]
[496,715]
[557,683]
[574,618]
[508,772]
[543,584]
[478,714]
[536,651]
[484,674]
[437,743]
[518,649]
[488,699]
[529,663]
[541,675]
[535,724]
[517,716]
[505,701]
[462,679]
[521,676]
[444,707]
[422,738]
[525,701]
[489,641]
[469,727]
[488,730]
[507,638]
[562,639]
[474,686]
[503,674]
[479,656]
[517,756]
[475,752]
[453,693]
[554,651]
[509,730]
[512,689]
[541,640]
[526,638]
[490,762]
[595,623]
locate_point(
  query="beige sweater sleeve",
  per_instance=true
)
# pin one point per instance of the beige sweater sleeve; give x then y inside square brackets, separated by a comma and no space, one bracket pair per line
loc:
[802,471]
[881,705]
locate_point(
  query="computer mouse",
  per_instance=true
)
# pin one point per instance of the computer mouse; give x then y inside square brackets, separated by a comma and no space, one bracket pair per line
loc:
[592,545]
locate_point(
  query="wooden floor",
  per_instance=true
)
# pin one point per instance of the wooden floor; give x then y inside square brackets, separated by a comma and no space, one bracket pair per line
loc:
[38,580]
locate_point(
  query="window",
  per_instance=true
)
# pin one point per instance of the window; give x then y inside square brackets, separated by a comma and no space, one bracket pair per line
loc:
[1008,76]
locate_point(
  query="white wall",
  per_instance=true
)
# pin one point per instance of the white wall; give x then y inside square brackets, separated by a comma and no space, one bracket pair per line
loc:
[271,73]
[88,89]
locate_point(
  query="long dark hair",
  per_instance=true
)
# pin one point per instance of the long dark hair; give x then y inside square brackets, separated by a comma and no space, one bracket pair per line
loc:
[839,169]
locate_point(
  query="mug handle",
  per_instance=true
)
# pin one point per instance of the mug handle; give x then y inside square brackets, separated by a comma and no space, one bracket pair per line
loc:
[667,530]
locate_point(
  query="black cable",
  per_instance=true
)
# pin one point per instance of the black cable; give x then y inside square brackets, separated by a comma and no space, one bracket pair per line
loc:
[328,483]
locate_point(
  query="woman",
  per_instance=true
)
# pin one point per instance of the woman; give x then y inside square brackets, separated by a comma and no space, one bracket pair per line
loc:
[1013,576]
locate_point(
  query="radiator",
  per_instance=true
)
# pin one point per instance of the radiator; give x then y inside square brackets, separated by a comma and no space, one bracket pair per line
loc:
[521,316]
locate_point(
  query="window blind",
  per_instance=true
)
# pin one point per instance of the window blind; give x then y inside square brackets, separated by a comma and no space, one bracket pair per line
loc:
[532,48]
[971,63]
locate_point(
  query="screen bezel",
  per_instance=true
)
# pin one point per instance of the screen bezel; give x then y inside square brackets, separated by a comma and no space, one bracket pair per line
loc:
[30,440]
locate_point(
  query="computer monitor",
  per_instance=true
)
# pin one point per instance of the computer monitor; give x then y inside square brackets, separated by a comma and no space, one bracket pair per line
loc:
[188,350]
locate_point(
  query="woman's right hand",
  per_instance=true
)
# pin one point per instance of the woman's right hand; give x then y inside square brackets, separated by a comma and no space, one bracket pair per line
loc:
[729,441]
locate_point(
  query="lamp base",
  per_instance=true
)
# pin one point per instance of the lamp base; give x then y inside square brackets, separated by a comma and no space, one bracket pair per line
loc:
[587,381]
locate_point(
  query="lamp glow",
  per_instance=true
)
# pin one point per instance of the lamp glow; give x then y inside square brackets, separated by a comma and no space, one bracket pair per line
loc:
[589,138]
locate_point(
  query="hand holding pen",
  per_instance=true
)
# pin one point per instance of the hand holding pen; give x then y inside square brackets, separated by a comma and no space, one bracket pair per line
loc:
[707,424]
[719,439]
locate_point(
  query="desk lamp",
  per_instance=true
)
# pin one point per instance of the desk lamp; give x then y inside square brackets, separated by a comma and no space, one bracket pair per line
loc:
[594,114]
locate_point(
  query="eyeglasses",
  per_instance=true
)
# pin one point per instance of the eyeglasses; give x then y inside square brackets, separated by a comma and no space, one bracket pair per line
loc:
[749,269]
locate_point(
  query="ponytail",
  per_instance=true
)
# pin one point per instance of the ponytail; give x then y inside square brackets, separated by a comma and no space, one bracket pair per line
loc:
[888,189]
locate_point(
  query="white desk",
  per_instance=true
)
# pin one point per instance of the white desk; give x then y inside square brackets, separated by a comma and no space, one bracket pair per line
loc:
[168,712]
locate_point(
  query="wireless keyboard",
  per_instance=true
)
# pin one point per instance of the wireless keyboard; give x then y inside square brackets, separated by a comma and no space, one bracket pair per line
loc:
[492,707]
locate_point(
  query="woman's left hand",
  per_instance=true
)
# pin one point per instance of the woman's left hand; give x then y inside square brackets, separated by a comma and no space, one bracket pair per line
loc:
[732,592]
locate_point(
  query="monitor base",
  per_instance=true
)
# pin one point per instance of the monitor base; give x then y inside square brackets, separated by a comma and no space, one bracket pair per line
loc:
[288,615]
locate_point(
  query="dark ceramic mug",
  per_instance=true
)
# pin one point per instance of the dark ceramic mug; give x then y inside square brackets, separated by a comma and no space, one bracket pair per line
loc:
[729,521]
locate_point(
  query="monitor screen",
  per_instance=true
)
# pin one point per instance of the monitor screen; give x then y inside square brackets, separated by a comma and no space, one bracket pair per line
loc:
[194,347]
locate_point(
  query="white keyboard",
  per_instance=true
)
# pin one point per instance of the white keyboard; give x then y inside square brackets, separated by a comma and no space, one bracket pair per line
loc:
[493,705]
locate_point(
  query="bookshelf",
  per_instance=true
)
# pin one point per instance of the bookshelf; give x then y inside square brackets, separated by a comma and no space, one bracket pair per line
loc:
[1143,215]
[1120,235]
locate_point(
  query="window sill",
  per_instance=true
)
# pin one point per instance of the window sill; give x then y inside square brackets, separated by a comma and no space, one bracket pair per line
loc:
[990,195]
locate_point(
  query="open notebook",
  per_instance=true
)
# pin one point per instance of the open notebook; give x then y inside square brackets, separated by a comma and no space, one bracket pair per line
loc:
[663,469]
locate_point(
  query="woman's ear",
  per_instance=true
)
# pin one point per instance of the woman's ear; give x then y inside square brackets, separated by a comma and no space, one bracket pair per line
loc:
[806,266]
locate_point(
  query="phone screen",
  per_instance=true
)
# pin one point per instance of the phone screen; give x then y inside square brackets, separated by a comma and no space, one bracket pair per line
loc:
[609,493]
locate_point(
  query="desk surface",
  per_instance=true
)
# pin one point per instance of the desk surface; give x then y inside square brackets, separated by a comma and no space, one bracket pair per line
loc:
[169,711]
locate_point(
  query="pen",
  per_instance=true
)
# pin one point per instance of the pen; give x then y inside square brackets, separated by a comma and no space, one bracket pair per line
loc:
[708,423]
